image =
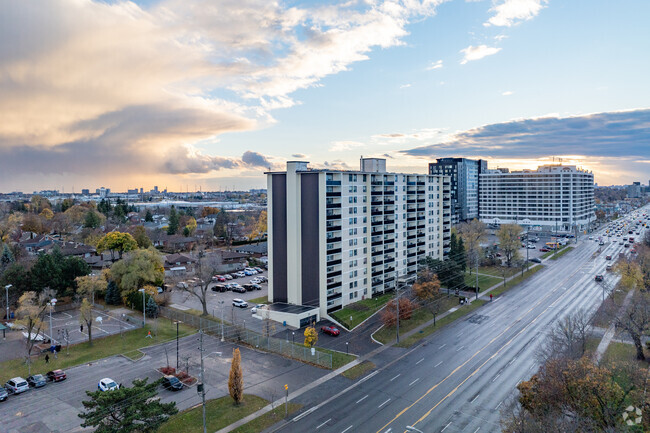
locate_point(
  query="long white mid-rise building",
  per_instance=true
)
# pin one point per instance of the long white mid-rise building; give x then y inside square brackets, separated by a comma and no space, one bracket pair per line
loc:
[553,196]
[336,237]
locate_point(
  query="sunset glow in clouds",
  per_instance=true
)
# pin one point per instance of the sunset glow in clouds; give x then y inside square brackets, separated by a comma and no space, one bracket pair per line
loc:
[178,92]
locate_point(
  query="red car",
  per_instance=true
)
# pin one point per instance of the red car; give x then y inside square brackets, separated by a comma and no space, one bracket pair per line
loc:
[331,330]
[56,375]
[219,278]
[544,250]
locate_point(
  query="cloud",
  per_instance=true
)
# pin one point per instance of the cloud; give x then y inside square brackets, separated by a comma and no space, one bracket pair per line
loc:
[299,156]
[340,146]
[255,159]
[511,12]
[608,134]
[478,52]
[435,65]
[101,86]
[507,93]
[405,86]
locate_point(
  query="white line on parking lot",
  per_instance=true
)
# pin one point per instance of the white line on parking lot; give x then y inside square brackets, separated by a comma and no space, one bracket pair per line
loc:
[396,377]
[419,361]
[362,398]
[381,405]
[437,364]
[323,423]
[477,429]
[445,427]
[498,405]
[346,429]
[442,346]
[414,381]
[474,399]
[460,348]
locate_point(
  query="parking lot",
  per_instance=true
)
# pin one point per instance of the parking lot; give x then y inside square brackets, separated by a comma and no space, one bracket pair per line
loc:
[55,406]
[103,325]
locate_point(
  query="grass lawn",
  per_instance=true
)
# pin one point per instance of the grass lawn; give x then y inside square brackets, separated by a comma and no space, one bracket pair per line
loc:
[496,271]
[592,345]
[420,316]
[339,359]
[428,330]
[356,313]
[484,282]
[260,300]
[562,252]
[219,413]
[512,283]
[358,370]
[268,419]
[108,346]
[622,352]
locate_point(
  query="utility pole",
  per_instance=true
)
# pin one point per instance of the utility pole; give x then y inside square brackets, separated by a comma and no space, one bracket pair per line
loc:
[201,389]
[221,302]
[397,303]
[434,317]
[286,400]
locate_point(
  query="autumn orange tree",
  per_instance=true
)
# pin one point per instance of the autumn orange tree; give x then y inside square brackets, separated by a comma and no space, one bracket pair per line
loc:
[236,378]
[388,315]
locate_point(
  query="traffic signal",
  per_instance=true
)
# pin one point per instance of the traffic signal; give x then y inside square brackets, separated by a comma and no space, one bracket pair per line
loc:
[286,387]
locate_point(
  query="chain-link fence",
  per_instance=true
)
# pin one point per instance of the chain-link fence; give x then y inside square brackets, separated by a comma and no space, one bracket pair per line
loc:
[254,339]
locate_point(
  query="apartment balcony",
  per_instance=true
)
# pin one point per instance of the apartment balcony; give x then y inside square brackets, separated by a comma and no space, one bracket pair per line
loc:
[410,200]
[376,193]
[334,274]
[389,201]
[377,281]
[410,237]
[389,250]
[334,251]
[377,232]
[377,253]
[333,182]
[377,183]
[333,294]
[334,285]
[333,262]
[421,226]
[334,239]
[410,219]
[333,217]
[389,269]
[333,194]
[389,260]
[333,205]
[377,263]
[377,273]
[333,228]
[389,231]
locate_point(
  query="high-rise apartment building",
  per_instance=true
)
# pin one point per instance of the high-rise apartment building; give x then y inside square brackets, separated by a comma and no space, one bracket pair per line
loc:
[552,196]
[464,174]
[336,237]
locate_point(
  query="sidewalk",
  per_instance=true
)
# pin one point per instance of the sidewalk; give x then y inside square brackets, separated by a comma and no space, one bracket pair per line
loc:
[346,367]
[609,334]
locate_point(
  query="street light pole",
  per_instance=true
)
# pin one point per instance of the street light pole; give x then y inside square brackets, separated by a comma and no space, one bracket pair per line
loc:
[222,302]
[52,303]
[177,322]
[7,294]
[144,316]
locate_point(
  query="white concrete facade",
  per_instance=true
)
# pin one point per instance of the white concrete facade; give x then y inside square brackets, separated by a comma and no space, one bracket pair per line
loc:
[551,196]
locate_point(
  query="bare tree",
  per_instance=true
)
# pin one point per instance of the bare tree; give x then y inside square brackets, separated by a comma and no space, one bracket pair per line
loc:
[473,234]
[204,269]
[636,321]
[30,312]
[509,241]
[567,339]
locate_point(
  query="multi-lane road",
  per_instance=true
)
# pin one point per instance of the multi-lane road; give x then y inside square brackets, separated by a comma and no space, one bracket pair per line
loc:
[459,379]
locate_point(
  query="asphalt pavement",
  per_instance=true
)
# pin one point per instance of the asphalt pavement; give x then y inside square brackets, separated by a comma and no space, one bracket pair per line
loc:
[460,378]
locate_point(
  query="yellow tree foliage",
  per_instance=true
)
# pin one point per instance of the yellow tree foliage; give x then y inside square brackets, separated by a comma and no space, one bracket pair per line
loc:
[427,290]
[207,210]
[236,378]
[191,225]
[509,241]
[117,242]
[311,336]
[86,318]
[90,284]
[47,214]
[260,226]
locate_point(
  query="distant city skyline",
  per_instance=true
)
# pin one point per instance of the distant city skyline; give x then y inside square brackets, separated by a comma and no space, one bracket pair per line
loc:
[178,93]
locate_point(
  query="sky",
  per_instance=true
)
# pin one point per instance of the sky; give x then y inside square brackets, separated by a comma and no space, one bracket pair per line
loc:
[210,94]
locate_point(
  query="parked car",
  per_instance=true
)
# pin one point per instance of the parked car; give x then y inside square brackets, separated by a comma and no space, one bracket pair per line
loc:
[239,303]
[239,289]
[16,385]
[262,279]
[228,277]
[599,277]
[172,383]
[219,288]
[260,270]
[531,247]
[182,285]
[36,380]
[107,384]
[234,275]
[3,394]
[251,287]
[331,330]
[240,274]
[536,260]
[248,273]
[544,250]
[608,257]
[219,278]
[608,268]
[257,307]
[56,375]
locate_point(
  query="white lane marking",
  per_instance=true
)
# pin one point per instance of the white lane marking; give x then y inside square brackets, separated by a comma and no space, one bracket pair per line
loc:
[477,429]
[419,361]
[304,414]
[437,364]
[362,398]
[498,405]
[445,428]
[369,376]
[474,399]
[346,429]
[414,381]
[460,348]
[323,423]
[442,346]
[389,430]
[496,377]
[380,406]
[396,377]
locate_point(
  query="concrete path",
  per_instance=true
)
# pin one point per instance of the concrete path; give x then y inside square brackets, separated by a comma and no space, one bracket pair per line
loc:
[609,334]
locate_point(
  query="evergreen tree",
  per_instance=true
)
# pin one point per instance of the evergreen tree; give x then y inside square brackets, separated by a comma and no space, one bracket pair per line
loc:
[172,228]
[152,308]
[148,217]
[112,296]
[186,231]
[92,220]
[7,256]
